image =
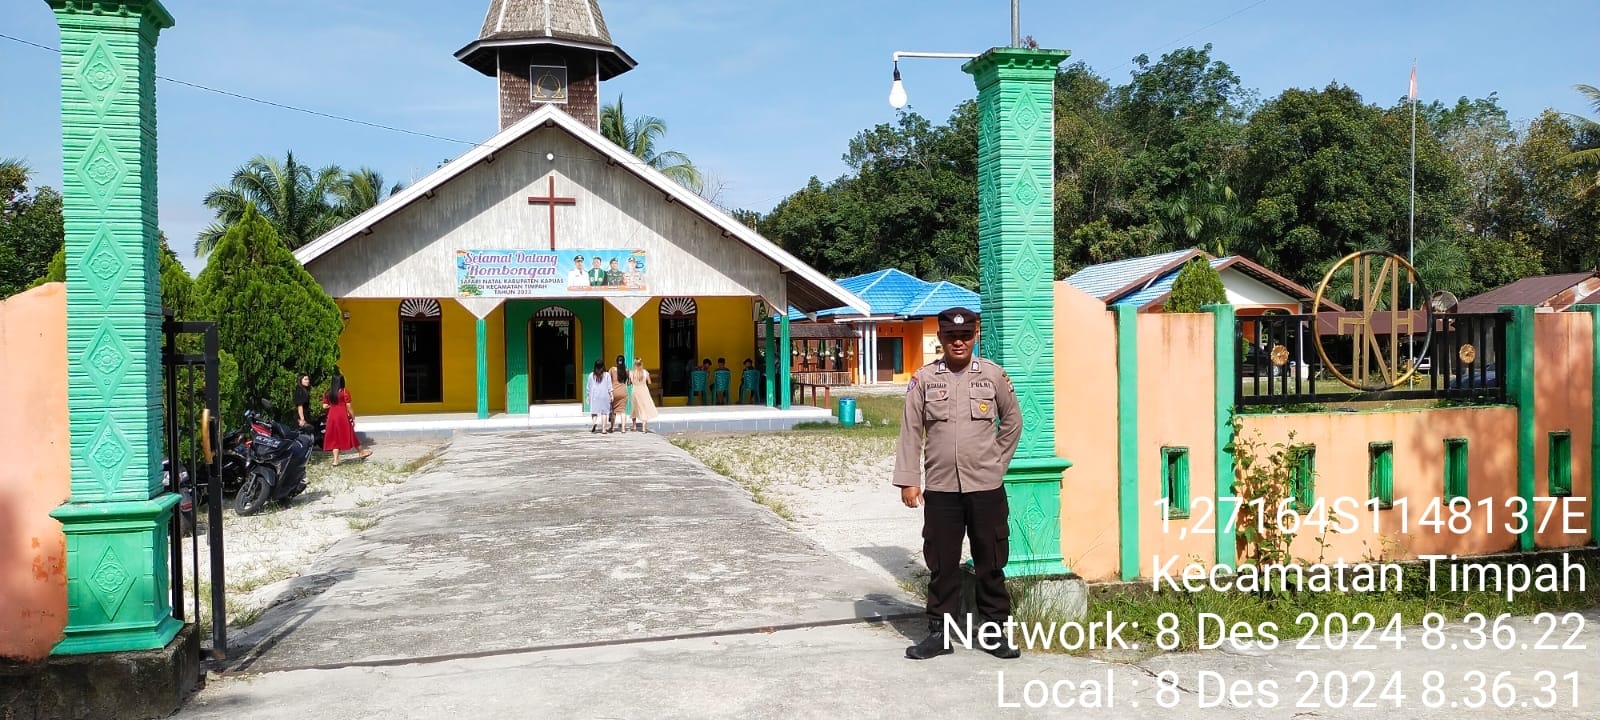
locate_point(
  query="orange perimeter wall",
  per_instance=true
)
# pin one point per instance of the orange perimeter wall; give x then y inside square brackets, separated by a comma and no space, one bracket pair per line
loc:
[36,474]
[1176,408]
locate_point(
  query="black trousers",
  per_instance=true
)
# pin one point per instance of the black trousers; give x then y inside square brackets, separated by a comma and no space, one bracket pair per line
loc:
[982,518]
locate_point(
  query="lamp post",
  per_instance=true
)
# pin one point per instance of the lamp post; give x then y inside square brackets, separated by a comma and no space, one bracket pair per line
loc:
[1016,273]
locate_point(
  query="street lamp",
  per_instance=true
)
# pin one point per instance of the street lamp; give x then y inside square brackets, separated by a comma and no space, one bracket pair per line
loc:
[897,91]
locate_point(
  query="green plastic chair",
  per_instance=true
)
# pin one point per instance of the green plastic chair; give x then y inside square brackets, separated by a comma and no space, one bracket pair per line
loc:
[724,385]
[698,386]
[748,382]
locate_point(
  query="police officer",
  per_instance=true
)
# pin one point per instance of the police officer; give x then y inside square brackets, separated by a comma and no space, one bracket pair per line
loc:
[961,427]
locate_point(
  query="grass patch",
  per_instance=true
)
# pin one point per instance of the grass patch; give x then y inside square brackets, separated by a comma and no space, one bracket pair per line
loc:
[418,463]
[254,581]
[361,523]
[368,502]
[880,417]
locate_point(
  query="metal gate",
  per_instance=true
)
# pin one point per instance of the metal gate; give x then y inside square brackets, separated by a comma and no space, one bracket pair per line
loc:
[193,441]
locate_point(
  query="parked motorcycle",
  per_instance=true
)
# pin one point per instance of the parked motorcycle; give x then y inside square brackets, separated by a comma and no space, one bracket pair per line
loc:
[184,486]
[274,463]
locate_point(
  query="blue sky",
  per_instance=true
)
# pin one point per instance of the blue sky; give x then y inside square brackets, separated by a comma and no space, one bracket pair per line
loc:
[761,94]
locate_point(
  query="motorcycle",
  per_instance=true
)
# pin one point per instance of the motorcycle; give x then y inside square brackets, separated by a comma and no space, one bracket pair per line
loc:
[184,486]
[274,463]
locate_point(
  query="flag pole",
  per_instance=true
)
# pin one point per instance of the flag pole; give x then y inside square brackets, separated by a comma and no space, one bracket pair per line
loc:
[1411,247]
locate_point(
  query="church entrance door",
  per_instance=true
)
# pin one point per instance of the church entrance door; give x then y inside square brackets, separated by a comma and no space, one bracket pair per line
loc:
[553,356]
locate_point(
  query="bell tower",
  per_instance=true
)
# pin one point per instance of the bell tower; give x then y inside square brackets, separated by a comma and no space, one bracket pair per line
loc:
[546,52]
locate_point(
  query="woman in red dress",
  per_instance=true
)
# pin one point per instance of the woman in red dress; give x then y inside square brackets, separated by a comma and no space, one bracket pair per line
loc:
[341,430]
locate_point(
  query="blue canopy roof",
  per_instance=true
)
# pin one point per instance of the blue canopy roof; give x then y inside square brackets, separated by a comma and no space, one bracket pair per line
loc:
[898,294]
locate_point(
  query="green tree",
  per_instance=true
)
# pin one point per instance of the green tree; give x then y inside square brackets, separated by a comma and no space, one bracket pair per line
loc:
[358,191]
[639,136]
[1330,174]
[1197,286]
[273,320]
[177,288]
[1588,155]
[30,228]
[1547,201]
[293,198]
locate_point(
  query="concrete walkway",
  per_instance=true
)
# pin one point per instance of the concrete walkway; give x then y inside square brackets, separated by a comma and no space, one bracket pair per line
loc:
[578,576]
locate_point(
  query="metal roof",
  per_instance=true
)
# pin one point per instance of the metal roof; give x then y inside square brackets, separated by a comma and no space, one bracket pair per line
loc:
[1110,280]
[1536,291]
[571,24]
[893,293]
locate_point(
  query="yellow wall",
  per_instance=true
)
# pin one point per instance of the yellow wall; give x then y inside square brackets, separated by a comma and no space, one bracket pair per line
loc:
[369,357]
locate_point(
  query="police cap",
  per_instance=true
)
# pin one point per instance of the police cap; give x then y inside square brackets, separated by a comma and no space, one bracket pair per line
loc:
[958,318]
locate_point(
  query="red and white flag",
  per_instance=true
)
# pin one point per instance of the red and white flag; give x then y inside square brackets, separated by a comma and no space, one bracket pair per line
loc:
[1413,94]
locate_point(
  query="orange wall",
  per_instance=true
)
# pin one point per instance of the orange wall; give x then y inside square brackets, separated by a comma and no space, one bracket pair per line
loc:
[1176,408]
[1341,467]
[1177,391]
[1563,353]
[36,475]
[1086,432]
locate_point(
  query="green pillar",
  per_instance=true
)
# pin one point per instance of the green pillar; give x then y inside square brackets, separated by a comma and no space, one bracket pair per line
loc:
[1127,319]
[772,361]
[627,352]
[1518,367]
[1016,273]
[483,368]
[1226,359]
[116,519]
[785,389]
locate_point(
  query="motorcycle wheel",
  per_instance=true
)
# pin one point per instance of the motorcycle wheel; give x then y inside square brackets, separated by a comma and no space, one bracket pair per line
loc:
[253,492]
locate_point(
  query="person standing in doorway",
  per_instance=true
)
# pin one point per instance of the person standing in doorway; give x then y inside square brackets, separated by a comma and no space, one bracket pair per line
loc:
[961,428]
[340,435]
[597,393]
[644,406]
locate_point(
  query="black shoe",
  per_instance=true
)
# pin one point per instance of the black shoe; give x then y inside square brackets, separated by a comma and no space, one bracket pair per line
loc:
[1005,650]
[931,646]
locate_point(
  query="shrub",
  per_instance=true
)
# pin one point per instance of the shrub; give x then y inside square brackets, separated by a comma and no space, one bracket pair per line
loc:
[273,320]
[1197,286]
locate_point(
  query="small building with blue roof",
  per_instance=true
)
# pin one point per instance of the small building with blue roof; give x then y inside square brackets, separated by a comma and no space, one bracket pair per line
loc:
[1146,282]
[899,336]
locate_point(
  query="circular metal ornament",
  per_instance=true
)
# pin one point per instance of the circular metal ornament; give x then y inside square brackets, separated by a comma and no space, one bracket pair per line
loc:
[1280,355]
[1369,295]
[1468,353]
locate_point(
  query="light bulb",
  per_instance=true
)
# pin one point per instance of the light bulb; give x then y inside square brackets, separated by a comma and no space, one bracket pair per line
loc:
[897,91]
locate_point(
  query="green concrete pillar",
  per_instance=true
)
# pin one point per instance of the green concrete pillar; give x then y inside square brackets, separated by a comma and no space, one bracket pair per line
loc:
[772,361]
[1518,369]
[785,388]
[1016,273]
[116,519]
[1226,384]
[483,368]
[627,353]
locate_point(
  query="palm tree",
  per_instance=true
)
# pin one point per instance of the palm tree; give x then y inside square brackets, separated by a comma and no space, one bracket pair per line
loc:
[359,191]
[639,136]
[1589,157]
[1208,216]
[292,197]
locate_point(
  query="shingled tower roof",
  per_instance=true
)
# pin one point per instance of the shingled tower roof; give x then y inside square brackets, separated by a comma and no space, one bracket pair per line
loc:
[551,24]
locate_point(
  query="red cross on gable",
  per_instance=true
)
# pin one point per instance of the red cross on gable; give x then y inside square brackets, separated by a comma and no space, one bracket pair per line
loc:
[552,200]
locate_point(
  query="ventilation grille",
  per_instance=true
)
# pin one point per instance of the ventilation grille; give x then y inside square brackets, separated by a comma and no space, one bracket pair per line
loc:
[419,308]
[678,306]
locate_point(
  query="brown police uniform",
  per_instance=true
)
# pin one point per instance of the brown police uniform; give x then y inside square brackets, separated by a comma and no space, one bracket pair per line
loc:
[957,437]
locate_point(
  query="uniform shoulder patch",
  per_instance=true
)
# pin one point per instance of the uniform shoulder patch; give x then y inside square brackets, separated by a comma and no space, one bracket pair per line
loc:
[912,385]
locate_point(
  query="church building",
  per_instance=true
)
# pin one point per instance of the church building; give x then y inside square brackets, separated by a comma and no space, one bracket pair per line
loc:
[496,282]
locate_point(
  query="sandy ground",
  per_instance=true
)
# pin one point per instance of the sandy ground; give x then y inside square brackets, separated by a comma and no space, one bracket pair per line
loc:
[832,487]
[263,552]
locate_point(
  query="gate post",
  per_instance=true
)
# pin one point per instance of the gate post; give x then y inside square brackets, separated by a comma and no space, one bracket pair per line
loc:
[1016,270]
[117,519]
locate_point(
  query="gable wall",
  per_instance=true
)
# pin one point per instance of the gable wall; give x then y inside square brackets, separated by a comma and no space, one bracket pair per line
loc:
[412,252]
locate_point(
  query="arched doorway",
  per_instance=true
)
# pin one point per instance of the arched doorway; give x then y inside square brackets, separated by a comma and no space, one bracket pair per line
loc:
[421,351]
[553,355]
[679,344]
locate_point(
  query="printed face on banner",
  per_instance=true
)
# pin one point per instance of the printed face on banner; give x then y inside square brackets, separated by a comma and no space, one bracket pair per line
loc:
[551,273]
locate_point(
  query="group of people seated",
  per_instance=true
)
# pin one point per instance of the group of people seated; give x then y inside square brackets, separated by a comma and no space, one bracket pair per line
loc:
[714,386]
